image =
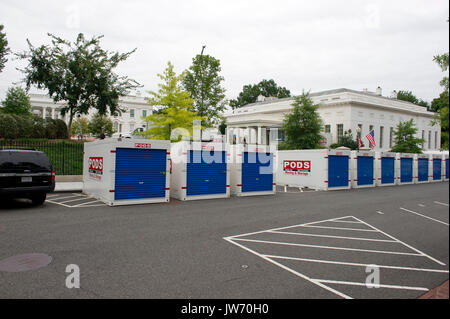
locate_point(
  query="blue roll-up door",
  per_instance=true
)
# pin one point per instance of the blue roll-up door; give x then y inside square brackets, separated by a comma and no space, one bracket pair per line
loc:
[437,169]
[422,174]
[387,170]
[140,173]
[338,171]
[257,172]
[446,168]
[406,170]
[205,178]
[365,170]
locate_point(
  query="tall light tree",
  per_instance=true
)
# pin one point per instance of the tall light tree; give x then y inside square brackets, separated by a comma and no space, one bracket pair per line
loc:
[4,50]
[408,96]
[80,73]
[251,92]
[176,107]
[16,102]
[303,126]
[204,82]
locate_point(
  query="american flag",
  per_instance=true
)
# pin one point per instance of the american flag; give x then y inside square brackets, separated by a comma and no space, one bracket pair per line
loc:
[359,141]
[371,138]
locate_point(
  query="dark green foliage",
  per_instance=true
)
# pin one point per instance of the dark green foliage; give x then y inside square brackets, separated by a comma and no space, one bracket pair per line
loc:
[16,126]
[347,141]
[251,92]
[79,73]
[16,102]
[4,50]
[203,81]
[303,126]
[410,97]
[405,140]
[101,124]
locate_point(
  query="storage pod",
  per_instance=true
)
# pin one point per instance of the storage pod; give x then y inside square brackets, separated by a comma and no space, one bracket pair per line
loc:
[445,158]
[422,166]
[200,171]
[125,172]
[253,170]
[406,168]
[317,169]
[386,169]
[436,168]
[362,166]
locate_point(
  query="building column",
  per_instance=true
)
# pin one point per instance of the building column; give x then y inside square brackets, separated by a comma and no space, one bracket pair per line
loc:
[44,112]
[53,113]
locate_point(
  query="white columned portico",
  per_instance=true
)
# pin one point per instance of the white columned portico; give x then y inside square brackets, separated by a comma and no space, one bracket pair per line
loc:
[53,113]
[44,112]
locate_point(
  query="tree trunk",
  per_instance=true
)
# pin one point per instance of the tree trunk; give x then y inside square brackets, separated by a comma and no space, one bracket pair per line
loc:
[69,126]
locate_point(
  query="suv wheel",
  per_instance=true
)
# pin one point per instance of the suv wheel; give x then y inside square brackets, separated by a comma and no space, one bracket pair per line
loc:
[38,199]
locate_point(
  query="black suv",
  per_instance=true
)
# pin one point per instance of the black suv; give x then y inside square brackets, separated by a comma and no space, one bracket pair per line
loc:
[26,174]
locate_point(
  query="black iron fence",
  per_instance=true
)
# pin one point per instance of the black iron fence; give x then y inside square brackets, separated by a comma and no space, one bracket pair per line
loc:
[65,156]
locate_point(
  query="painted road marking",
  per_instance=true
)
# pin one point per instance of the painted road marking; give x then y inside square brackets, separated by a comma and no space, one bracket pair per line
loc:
[88,201]
[242,239]
[439,203]
[412,212]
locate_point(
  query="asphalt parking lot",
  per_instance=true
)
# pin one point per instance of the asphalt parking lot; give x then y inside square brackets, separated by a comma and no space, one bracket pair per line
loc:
[292,245]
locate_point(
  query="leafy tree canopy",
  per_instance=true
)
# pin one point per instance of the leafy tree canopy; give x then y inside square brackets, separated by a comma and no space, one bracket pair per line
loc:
[405,139]
[79,73]
[4,50]
[203,81]
[100,124]
[441,104]
[16,102]
[80,126]
[348,141]
[251,92]
[410,97]
[303,126]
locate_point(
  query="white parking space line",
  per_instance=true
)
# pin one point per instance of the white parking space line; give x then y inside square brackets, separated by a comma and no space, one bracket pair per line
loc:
[421,205]
[443,204]
[320,261]
[87,201]
[274,258]
[67,197]
[327,247]
[330,236]
[50,201]
[341,228]
[379,212]
[413,212]
[350,283]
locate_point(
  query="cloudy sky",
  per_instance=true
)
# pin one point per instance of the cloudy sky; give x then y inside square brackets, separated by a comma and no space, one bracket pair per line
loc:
[312,45]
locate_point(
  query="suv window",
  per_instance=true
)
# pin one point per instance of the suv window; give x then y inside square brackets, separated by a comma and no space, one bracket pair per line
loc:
[18,161]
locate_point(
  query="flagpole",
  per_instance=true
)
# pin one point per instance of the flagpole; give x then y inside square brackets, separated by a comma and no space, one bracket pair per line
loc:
[358,135]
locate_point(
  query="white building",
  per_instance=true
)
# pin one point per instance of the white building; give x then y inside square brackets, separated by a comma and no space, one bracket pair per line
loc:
[136,109]
[341,110]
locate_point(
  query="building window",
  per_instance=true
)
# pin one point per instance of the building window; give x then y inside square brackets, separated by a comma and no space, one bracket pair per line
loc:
[381,136]
[327,128]
[340,132]
[423,138]
[116,127]
[144,113]
[429,139]
[132,113]
[370,128]
[131,127]
[391,137]
[436,140]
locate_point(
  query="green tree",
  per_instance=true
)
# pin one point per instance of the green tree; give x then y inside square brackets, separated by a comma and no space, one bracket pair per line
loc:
[101,124]
[80,126]
[410,97]
[303,126]
[4,50]
[441,104]
[405,139]
[79,73]
[251,92]
[203,81]
[16,102]
[177,107]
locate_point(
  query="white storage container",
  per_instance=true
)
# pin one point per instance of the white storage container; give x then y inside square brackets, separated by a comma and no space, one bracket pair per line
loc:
[445,158]
[406,168]
[386,169]
[253,170]
[362,166]
[436,168]
[200,171]
[130,171]
[423,168]
[318,169]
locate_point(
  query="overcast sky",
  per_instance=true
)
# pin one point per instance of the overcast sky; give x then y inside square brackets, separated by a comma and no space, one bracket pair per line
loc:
[312,45]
